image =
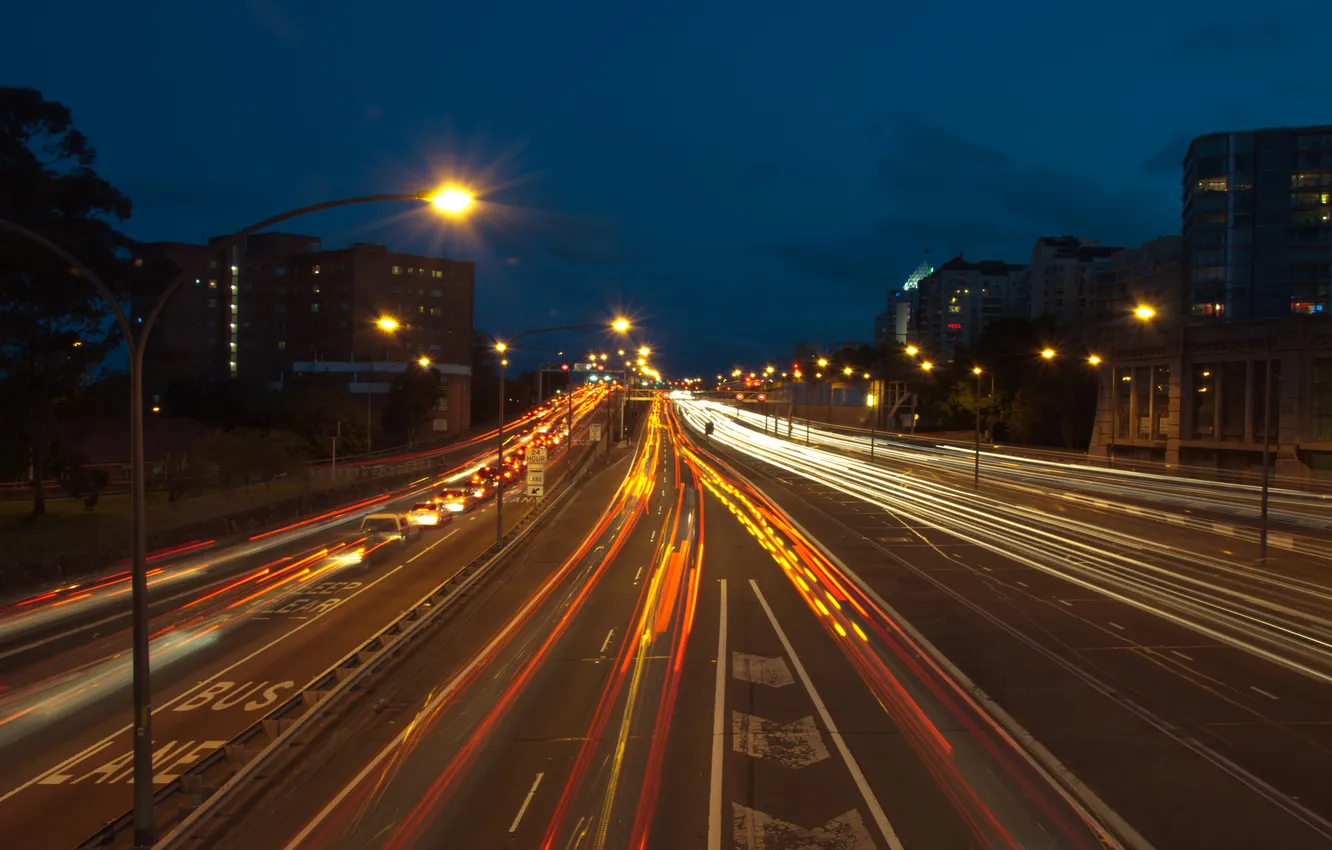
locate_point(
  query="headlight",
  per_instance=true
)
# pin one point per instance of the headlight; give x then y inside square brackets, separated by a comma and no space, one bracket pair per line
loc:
[455,506]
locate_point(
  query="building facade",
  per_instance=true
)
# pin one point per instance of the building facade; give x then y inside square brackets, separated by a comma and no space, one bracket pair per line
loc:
[253,311]
[1192,395]
[1062,278]
[958,299]
[1149,275]
[1257,223]
[893,326]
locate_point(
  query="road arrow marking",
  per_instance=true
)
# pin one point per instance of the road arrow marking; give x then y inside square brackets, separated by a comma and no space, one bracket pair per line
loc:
[797,744]
[760,670]
[755,830]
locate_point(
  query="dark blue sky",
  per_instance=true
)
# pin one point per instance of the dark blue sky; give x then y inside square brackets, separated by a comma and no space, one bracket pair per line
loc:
[742,176]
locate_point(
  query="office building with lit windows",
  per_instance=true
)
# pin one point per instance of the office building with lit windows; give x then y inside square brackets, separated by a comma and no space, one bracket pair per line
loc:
[958,299]
[253,311]
[1257,224]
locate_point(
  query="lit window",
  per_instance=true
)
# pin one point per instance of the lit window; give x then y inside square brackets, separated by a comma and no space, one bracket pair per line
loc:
[212,284]
[1212,184]
[314,269]
[282,345]
[314,308]
[435,311]
[397,269]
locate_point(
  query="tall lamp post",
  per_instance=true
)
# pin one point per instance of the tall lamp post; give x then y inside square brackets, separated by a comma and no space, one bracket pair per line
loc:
[388,325]
[451,201]
[619,326]
[976,370]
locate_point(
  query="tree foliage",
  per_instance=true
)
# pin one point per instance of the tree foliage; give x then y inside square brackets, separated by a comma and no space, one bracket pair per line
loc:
[54,326]
[411,398]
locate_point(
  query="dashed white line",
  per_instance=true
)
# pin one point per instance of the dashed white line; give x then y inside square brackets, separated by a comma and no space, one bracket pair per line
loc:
[513,827]
[654,535]
[1181,655]
[605,643]
[1263,692]
[1065,602]
[1115,625]
[1024,584]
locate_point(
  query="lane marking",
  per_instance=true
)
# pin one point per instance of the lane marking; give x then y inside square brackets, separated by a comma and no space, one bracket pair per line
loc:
[872,802]
[605,643]
[761,670]
[1115,625]
[513,827]
[718,729]
[637,574]
[1181,655]
[1022,583]
[654,536]
[794,745]
[1263,692]
[1065,602]
[109,739]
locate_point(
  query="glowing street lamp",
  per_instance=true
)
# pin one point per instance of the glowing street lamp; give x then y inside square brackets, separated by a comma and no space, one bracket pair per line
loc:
[620,325]
[1095,360]
[424,362]
[452,200]
[644,351]
[847,371]
[1048,353]
[927,365]
[823,362]
[912,351]
[1145,312]
[388,324]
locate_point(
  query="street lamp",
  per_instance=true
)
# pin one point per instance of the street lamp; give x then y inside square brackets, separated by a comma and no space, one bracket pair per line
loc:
[447,201]
[976,370]
[620,325]
[1048,353]
[423,362]
[927,365]
[912,351]
[1144,312]
[388,325]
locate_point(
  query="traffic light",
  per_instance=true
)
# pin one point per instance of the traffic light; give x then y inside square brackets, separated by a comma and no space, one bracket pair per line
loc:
[739,396]
[762,397]
[564,367]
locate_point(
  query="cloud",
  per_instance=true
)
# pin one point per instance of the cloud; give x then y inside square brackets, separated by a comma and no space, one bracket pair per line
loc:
[1223,40]
[947,193]
[275,20]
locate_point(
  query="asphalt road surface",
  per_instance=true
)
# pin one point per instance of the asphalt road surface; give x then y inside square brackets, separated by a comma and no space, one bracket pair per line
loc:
[235,632]
[1197,738]
[674,666]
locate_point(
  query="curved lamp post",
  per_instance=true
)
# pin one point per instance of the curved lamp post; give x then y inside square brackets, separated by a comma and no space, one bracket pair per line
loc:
[451,201]
[619,326]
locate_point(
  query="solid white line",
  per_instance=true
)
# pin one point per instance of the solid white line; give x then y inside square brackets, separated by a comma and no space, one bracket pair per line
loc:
[1263,692]
[513,827]
[718,730]
[872,802]
[91,750]
[605,643]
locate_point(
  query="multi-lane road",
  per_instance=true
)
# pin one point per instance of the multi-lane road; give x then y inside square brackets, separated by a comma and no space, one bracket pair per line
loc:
[740,641]
[683,668]
[236,630]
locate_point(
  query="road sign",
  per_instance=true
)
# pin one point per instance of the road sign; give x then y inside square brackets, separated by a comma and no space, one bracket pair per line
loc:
[535,476]
[537,457]
[536,490]
[594,432]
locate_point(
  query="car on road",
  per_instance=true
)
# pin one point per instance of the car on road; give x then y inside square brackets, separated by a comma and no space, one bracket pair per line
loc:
[428,514]
[456,501]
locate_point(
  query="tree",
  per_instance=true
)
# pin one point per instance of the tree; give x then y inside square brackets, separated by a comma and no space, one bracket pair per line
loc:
[411,397]
[53,324]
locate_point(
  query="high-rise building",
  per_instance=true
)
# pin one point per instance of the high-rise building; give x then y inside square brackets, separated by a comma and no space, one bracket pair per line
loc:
[1257,223]
[1062,275]
[1148,275]
[893,326]
[958,299]
[251,312]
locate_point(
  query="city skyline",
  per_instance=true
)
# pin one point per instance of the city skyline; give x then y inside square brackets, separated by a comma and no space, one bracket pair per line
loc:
[681,178]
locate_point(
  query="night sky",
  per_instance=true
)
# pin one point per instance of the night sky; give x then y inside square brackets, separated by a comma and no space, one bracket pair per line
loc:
[740,176]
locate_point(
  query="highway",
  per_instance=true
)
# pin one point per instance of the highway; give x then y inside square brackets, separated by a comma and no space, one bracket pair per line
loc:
[673,664]
[1183,682]
[235,631]
[1122,489]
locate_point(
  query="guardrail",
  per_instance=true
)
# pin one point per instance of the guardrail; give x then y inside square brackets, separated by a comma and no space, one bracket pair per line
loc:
[196,793]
